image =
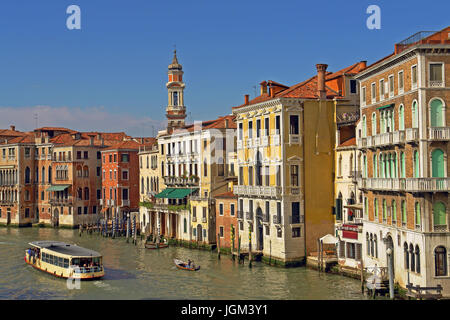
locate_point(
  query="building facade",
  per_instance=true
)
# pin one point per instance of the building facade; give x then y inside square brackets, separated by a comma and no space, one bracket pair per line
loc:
[404,137]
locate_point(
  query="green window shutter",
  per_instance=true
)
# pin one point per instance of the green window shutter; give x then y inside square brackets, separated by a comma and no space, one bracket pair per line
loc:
[401,119]
[338,209]
[418,220]
[437,159]
[403,164]
[376,208]
[384,209]
[416,164]
[403,211]
[375,173]
[436,113]
[439,214]
[394,211]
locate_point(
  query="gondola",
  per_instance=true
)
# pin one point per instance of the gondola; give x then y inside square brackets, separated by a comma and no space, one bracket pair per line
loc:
[183,265]
[151,245]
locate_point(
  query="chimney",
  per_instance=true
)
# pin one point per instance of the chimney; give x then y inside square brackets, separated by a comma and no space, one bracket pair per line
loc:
[321,69]
[364,64]
[263,87]
[272,92]
[13,128]
[246,99]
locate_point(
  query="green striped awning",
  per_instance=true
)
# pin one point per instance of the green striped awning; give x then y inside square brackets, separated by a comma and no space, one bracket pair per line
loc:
[180,193]
[60,187]
[164,193]
[386,106]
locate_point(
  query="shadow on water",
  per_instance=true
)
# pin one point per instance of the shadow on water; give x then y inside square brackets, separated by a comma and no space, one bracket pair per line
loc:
[117,274]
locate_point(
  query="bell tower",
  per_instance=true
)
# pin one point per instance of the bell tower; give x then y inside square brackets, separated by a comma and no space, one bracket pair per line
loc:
[175,111]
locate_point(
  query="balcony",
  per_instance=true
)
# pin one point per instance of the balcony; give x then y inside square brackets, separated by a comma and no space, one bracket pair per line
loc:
[181,181]
[239,144]
[265,141]
[240,214]
[295,220]
[440,228]
[439,133]
[427,184]
[257,191]
[194,219]
[61,202]
[249,215]
[398,137]
[436,83]
[370,142]
[7,202]
[172,208]
[125,203]
[412,135]
[385,184]
[361,143]
[294,139]
[203,219]
[277,219]
[266,218]
[276,140]
[249,143]
[100,201]
[383,139]
[257,142]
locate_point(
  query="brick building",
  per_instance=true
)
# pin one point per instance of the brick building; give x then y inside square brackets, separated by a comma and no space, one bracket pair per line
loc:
[404,137]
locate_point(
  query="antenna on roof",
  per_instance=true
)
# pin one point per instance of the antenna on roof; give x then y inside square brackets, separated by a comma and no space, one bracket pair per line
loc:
[36,120]
[254,88]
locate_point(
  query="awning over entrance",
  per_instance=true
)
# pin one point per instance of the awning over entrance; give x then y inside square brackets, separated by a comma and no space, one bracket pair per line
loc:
[329,239]
[60,187]
[180,193]
[386,106]
[164,193]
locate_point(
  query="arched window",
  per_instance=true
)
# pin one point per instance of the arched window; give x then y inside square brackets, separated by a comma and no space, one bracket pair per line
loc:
[403,212]
[417,214]
[411,254]
[416,164]
[406,254]
[375,209]
[365,166]
[184,225]
[43,175]
[375,169]
[437,162]
[440,261]
[85,172]
[436,113]
[402,164]
[417,259]
[80,194]
[371,245]
[415,115]
[142,185]
[86,193]
[401,118]
[50,174]
[439,214]
[394,211]
[364,127]
[384,209]
[368,243]
[375,244]
[374,124]
[147,186]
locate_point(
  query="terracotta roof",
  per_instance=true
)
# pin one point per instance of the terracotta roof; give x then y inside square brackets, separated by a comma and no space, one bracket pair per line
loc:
[11,133]
[348,143]
[219,123]
[26,138]
[228,194]
[128,144]
[55,129]
[308,88]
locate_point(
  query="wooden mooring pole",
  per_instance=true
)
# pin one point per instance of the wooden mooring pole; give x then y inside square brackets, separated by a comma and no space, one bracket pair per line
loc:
[218,246]
[249,249]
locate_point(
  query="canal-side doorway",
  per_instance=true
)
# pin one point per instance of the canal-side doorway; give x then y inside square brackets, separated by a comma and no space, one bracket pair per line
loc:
[199,232]
[259,228]
[8,217]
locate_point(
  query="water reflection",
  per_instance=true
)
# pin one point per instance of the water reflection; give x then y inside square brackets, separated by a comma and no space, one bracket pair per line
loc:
[133,272]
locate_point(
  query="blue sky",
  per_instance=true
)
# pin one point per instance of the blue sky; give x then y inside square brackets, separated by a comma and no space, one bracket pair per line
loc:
[111,74]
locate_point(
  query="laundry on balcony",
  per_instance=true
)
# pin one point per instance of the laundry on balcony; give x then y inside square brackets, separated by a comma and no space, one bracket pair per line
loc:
[61,187]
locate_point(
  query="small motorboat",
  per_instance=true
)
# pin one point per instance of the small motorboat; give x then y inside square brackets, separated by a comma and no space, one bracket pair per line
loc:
[152,245]
[183,265]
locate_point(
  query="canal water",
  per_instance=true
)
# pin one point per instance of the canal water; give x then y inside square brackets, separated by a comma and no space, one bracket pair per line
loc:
[136,273]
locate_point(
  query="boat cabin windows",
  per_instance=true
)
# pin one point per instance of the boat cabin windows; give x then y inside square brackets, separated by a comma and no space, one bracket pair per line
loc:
[55,260]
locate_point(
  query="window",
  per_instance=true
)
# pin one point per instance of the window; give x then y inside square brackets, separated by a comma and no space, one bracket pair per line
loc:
[124,194]
[232,209]
[266,126]
[221,209]
[400,82]
[353,86]
[258,128]
[221,231]
[250,130]
[295,212]
[296,232]
[351,250]
[175,98]
[415,115]
[394,211]
[374,93]
[363,96]
[417,214]
[124,157]
[86,154]
[364,126]
[436,74]
[277,125]
[401,117]
[99,155]
[278,176]
[417,253]
[240,131]
[436,113]
[293,124]
[382,92]
[294,175]
[374,124]
[98,171]
[404,212]
[406,255]
[440,261]
[115,157]
[125,175]
[391,85]
[414,77]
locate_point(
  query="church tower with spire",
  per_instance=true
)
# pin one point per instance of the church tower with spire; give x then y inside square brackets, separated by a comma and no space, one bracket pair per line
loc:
[175,111]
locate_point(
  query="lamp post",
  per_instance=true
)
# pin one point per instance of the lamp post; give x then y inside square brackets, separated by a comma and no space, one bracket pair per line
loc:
[391,274]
